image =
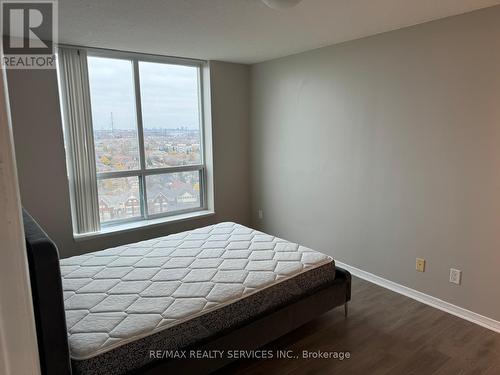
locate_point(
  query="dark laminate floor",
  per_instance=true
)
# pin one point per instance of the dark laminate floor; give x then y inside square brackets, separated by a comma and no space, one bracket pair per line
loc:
[386,333]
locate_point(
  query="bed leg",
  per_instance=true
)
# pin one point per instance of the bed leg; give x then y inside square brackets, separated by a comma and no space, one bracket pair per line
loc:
[346,309]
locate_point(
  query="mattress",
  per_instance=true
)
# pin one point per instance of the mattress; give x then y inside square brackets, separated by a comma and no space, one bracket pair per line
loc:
[170,292]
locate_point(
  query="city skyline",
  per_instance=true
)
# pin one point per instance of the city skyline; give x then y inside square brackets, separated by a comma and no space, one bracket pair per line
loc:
[169,95]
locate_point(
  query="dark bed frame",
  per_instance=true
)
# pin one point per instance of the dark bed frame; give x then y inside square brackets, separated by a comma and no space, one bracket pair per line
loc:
[46,285]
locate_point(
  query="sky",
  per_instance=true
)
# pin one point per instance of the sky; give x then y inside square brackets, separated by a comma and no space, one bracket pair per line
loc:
[169,94]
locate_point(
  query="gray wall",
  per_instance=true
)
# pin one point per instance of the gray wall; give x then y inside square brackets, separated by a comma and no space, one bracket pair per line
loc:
[385,149]
[41,160]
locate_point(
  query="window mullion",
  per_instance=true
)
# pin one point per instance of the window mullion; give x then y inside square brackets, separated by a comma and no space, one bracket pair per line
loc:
[182,168]
[117,174]
[201,116]
[201,124]
[140,133]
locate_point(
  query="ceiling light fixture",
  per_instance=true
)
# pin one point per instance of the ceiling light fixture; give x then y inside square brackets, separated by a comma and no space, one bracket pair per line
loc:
[281,4]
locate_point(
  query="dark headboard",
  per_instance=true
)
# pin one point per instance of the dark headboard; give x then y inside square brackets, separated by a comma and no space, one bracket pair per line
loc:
[48,302]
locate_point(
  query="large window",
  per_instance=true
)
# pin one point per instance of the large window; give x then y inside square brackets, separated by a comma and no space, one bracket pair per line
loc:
[147,135]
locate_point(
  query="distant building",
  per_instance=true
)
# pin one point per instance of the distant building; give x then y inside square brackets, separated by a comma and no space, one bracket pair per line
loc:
[187,198]
[132,206]
[105,211]
[159,204]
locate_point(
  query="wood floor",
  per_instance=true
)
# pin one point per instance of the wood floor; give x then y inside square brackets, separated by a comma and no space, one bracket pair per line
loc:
[385,333]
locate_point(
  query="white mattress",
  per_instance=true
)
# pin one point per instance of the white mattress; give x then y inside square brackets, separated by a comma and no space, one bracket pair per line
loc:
[122,294]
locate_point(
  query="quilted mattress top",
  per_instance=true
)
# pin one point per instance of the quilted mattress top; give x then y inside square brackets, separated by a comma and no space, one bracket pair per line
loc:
[122,294]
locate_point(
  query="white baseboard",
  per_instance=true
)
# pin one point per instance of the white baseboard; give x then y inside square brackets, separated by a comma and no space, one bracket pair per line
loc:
[471,316]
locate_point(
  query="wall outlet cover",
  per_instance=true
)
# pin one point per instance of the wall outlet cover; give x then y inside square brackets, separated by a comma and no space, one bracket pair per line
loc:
[455,276]
[420,265]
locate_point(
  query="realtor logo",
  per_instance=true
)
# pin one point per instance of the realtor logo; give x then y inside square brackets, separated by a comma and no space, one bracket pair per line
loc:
[29,34]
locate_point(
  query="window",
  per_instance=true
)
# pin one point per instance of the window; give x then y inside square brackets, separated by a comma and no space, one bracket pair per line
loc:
[146,131]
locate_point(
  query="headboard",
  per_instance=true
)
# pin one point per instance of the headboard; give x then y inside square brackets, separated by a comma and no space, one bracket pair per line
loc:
[48,302]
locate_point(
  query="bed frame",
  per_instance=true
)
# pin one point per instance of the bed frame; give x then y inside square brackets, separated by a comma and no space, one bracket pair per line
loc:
[48,303]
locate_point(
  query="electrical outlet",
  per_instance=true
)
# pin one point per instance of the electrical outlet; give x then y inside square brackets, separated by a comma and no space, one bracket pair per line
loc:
[455,276]
[420,265]
[261,214]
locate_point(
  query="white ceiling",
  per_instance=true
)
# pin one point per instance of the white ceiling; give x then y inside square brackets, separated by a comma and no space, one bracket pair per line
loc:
[244,31]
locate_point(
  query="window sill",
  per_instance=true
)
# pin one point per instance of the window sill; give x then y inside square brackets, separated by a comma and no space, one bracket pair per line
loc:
[116,229]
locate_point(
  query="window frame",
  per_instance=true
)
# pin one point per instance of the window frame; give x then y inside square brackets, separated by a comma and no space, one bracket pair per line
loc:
[143,171]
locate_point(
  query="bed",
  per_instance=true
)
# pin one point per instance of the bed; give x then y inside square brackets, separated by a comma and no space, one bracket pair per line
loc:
[128,309]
